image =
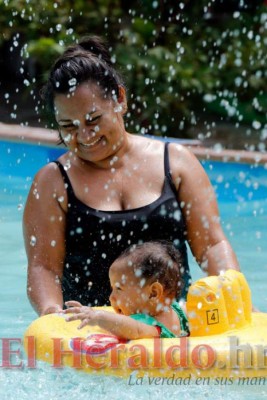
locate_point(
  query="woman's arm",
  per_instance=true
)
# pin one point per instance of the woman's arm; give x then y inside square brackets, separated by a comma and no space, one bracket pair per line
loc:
[119,325]
[205,236]
[44,237]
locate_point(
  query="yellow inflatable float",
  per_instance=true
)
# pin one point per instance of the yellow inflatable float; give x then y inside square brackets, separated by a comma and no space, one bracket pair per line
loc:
[227,341]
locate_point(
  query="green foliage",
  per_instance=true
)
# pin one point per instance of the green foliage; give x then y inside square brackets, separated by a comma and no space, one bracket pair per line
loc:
[182,62]
[44,50]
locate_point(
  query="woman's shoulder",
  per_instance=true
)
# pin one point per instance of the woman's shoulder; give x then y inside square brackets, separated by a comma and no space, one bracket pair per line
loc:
[179,151]
[175,149]
[49,178]
[147,144]
[182,159]
[48,170]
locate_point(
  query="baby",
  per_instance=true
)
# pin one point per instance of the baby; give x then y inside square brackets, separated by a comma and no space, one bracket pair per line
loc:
[145,281]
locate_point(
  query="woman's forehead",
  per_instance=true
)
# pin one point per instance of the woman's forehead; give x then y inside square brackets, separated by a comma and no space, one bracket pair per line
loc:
[84,93]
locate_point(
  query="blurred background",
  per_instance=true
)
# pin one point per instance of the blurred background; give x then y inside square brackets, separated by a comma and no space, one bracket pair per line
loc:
[194,69]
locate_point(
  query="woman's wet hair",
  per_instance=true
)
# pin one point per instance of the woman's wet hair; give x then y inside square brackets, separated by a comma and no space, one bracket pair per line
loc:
[157,261]
[88,60]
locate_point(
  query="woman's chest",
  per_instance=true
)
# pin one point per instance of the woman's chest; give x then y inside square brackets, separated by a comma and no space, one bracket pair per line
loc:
[119,190]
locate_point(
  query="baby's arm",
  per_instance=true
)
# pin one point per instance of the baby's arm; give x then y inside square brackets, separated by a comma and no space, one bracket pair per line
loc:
[119,325]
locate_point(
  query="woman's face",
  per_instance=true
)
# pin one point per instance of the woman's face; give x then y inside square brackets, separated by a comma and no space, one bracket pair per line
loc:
[90,125]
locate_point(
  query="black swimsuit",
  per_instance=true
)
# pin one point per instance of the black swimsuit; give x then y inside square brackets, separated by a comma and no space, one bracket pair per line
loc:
[95,238]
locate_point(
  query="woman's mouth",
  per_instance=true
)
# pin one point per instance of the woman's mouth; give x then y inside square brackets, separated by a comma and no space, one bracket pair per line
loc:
[91,144]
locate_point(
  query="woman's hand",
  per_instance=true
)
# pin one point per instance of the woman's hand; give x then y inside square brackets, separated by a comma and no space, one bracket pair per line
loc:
[87,315]
[52,309]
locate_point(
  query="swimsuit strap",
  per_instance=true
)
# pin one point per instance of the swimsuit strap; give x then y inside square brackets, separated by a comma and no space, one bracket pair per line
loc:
[66,179]
[165,332]
[167,167]
[184,326]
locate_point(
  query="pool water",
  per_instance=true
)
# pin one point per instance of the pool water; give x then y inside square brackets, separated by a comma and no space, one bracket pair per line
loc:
[242,196]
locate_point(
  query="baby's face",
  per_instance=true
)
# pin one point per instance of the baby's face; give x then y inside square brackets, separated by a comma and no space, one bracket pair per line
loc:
[130,293]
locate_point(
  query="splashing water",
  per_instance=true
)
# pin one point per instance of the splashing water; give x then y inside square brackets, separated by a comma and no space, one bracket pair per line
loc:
[243,216]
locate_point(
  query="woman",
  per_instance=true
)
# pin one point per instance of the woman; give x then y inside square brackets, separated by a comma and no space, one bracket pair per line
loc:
[110,190]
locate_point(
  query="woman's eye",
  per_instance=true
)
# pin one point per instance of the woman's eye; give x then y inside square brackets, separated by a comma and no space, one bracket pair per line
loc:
[93,120]
[67,128]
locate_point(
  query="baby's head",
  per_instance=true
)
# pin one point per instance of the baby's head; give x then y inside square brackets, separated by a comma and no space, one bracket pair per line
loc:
[145,278]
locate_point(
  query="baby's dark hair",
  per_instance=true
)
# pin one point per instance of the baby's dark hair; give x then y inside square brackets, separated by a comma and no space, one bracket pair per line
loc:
[157,261]
[87,60]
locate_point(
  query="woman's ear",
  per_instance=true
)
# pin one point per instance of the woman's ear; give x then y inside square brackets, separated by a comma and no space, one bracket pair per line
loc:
[156,291]
[122,99]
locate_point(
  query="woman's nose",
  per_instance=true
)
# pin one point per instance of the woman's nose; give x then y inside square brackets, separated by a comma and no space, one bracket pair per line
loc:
[112,298]
[84,132]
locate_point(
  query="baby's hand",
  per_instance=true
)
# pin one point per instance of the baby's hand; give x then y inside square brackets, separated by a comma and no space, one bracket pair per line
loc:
[85,314]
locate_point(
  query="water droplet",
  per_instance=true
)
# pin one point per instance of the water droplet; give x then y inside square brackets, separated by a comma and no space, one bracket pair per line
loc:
[256,124]
[176,242]
[53,243]
[33,241]
[138,272]
[250,34]
[118,108]
[67,138]
[76,122]
[20,207]
[208,98]
[72,82]
[236,14]
[219,179]
[142,282]
[36,194]
[67,165]
[177,215]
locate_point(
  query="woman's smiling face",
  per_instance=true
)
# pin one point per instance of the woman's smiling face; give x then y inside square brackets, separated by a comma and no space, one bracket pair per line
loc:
[90,125]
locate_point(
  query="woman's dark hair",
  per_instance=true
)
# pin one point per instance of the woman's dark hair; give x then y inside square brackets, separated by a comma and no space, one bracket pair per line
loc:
[157,261]
[88,60]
